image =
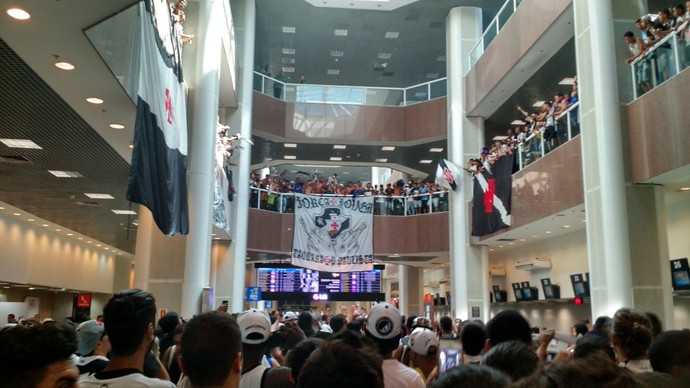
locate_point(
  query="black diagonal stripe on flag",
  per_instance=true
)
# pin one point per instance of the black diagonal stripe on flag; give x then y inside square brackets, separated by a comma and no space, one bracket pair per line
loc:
[157,177]
[491,199]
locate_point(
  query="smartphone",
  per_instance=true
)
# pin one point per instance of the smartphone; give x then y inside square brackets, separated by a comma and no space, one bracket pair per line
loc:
[450,355]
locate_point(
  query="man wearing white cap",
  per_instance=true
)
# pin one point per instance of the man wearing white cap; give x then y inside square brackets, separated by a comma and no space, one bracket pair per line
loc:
[255,327]
[424,357]
[384,326]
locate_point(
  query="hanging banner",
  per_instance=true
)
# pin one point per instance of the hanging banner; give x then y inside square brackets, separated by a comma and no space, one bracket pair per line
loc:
[333,234]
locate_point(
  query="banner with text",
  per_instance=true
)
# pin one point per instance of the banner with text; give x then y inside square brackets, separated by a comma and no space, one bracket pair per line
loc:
[333,234]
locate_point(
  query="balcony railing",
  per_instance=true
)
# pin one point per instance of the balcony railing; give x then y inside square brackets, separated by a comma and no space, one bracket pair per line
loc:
[427,203]
[665,59]
[355,95]
[506,11]
[567,126]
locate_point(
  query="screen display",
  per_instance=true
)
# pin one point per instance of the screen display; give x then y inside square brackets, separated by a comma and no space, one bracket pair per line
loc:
[580,289]
[548,292]
[527,293]
[310,281]
[450,355]
[681,278]
[518,294]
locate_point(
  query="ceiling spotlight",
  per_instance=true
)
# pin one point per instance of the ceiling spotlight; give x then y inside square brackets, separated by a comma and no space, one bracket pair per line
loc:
[18,13]
[116,126]
[94,100]
[64,65]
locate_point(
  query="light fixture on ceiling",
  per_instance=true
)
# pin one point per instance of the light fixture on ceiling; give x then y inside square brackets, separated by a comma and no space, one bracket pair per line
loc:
[99,196]
[384,56]
[538,104]
[567,81]
[80,238]
[333,71]
[339,146]
[30,219]
[107,249]
[337,54]
[17,214]
[287,69]
[288,61]
[387,148]
[425,161]
[548,232]
[289,145]
[45,225]
[684,189]
[435,149]
[391,35]
[340,32]
[288,30]
[64,65]
[32,288]
[522,239]
[381,160]
[517,122]
[94,100]
[98,245]
[290,157]
[65,174]
[116,126]
[566,226]
[123,212]
[18,13]
[58,230]
[336,158]
[21,143]
[500,246]
[70,234]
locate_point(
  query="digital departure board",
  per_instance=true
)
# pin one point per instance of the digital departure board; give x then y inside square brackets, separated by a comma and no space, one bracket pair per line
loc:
[285,282]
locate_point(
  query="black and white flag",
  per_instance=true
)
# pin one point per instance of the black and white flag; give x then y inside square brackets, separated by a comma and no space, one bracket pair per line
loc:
[491,199]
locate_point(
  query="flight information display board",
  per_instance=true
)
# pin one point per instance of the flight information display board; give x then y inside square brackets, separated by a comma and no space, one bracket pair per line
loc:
[285,282]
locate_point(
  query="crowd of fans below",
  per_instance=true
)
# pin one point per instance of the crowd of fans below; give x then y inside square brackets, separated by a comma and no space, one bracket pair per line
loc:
[379,348]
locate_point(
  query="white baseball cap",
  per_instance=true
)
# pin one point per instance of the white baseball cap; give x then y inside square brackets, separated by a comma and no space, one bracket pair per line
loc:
[289,315]
[255,326]
[384,321]
[424,342]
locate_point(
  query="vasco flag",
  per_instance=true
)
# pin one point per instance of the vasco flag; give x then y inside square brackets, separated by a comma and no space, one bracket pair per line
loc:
[157,177]
[491,200]
[448,175]
[333,234]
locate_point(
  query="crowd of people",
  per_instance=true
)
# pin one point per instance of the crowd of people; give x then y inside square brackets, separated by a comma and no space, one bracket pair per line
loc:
[379,348]
[658,65]
[398,198]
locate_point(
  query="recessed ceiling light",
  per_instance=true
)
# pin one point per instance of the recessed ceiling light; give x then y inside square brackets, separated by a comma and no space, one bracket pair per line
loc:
[381,160]
[500,246]
[18,13]
[517,122]
[131,145]
[17,214]
[425,161]
[384,56]
[336,158]
[290,145]
[684,189]
[94,100]
[339,147]
[216,238]
[45,225]
[567,81]
[522,239]
[116,126]
[491,250]
[32,288]
[21,143]
[534,235]
[288,69]
[548,232]
[336,53]
[70,234]
[340,32]
[80,238]
[98,245]
[391,35]
[538,104]
[431,75]
[30,219]
[58,230]
[132,212]
[64,65]
[65,174]
[511,243]
[441,58]
[290,157]
[99,196]
[388,148]
[2,208]
[435,149]
[88,242]
[333,71]
[288,51]
[288,61]
[107,249]
[288,30]
[566,226]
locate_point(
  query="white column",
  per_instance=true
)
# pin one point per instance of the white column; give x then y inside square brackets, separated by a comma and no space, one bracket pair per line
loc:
[608,245]
[403,297]
[465,138]
[200,170]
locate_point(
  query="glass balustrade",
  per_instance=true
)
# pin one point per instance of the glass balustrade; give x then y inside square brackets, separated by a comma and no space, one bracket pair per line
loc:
[492,30]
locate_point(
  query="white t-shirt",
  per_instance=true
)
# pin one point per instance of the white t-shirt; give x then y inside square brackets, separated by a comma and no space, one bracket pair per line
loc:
[397,375]
[123,379]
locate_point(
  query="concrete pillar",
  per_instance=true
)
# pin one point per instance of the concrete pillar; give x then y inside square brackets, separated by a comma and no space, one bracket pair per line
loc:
[200,170]
[469,279]
[230,282]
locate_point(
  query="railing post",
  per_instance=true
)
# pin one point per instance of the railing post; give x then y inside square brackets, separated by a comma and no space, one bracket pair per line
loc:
[655,79]
[263,84]
[543,143]
[567,117]
[405,97]
[520,150]
[428,91]
[514,5]
[676,56]
[634,80]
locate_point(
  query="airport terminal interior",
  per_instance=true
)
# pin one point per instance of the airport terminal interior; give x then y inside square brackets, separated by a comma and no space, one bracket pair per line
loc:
[359,98]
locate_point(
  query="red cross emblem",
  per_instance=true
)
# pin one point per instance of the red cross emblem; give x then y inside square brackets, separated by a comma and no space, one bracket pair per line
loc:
[168,106]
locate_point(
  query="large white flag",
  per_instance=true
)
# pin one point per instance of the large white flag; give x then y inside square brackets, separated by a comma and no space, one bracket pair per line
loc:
[333,234]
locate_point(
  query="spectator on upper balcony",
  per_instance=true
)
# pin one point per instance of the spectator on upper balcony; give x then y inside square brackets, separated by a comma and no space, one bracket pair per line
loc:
[549,131]
[645,26]
[642,74]
[664,58]
[278,85]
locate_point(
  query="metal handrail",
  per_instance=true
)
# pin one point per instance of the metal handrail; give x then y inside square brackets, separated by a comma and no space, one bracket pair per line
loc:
[496,20]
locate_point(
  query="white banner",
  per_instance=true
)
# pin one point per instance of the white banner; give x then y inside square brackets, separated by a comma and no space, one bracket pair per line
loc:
[333,234]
